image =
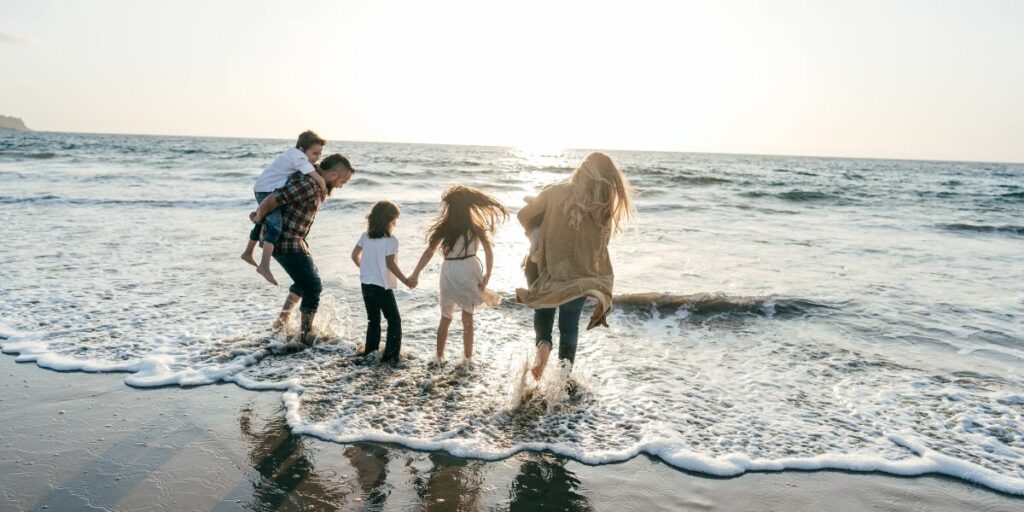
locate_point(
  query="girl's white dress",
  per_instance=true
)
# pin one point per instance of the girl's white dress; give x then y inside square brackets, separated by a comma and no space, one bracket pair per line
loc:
[461,274]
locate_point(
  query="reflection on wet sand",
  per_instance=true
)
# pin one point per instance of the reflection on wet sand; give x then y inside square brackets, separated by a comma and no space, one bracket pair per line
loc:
[371,465]
[287,477]
[543,483]
[386,477]
[452,483]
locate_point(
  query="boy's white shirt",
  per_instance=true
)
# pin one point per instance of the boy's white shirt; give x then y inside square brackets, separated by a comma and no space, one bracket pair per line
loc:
[373,266]
[277,173]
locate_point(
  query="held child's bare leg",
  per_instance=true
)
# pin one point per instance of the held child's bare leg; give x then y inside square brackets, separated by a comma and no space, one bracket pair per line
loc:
[247,253]
[442,335]
[264,267]
[543,351]
[286,311]
[467,335]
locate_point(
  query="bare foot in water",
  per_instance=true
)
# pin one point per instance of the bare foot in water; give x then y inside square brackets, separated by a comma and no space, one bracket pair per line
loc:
[537,371]
[281,322]
[543,351]
[265,272]
[247,257]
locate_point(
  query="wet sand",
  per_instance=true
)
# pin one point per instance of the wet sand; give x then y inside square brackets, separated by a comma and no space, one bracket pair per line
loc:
[74,441]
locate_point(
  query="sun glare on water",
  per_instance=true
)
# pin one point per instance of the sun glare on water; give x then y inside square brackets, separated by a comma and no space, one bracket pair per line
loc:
[538,148]
[543,164]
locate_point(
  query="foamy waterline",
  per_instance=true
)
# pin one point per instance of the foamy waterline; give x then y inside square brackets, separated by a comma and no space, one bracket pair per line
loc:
[156,371]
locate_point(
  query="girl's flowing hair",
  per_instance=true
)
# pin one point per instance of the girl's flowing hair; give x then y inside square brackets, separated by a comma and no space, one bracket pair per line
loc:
[599,189]
[378,222]
[466,211]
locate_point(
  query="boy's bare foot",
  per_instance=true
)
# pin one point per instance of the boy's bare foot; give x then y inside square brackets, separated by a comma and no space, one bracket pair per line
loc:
[265,272]
[247,257]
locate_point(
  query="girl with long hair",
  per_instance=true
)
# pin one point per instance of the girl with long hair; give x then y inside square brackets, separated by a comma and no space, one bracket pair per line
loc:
[468,220]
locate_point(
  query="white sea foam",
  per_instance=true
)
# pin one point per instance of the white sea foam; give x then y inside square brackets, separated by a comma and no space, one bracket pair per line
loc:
[29,347]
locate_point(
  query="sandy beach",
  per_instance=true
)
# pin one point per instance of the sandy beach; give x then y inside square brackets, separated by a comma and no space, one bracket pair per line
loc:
[77,441]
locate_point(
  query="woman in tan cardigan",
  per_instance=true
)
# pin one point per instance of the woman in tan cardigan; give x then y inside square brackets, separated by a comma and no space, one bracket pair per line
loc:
[575,220]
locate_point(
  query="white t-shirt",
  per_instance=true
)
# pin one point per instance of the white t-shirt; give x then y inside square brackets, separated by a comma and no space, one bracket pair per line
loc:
[276,174]
[373,267]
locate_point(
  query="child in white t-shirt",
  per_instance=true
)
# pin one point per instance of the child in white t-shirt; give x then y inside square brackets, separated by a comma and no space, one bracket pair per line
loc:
[301,158]
[376,255]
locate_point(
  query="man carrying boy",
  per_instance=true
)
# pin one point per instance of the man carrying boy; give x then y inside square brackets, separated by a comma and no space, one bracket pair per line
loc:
[300,159]
[299,200]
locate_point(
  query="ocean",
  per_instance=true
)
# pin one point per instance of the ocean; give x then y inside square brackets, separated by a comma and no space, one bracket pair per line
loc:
[856,314]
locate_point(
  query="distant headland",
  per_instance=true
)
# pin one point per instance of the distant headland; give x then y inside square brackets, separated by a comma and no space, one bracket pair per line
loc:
[13,123]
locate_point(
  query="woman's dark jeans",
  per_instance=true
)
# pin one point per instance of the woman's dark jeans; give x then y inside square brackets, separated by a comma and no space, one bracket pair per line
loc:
[274,223]
[381,300]
[568,327]
[305,279]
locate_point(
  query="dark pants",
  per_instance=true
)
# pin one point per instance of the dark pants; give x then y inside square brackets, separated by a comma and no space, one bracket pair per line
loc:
[381,300]
[273,222]
[305,279]
[568,327]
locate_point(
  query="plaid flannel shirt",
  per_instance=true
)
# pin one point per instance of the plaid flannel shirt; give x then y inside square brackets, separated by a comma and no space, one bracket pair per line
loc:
[299,200]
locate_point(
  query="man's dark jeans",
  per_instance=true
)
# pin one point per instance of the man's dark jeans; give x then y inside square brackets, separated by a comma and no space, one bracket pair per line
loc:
[305,279]
[381,300]
[568,327]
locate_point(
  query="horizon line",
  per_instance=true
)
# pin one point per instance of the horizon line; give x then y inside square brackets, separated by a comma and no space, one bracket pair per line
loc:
[513,146]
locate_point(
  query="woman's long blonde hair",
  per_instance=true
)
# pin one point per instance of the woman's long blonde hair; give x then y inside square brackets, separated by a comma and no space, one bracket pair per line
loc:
[599,188]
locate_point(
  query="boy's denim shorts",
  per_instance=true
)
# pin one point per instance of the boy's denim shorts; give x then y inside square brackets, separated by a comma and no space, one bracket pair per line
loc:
[273,222]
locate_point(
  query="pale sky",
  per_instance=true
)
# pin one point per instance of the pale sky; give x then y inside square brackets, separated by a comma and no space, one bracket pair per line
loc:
[901,79]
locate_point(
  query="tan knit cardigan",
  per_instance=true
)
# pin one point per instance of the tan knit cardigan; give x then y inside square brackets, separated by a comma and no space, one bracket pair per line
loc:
[573,262]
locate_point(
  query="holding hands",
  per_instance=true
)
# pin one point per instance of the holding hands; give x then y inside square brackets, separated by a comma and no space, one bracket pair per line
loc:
[414,278]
